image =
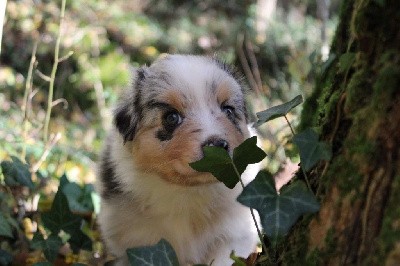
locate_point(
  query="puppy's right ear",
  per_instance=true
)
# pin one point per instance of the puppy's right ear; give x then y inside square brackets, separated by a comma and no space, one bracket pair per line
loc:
[129,111]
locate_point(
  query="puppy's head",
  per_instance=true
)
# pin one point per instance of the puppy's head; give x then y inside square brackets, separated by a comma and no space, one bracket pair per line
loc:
[177,106]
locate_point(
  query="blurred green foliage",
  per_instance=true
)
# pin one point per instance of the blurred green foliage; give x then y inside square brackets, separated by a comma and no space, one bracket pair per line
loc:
[106,39]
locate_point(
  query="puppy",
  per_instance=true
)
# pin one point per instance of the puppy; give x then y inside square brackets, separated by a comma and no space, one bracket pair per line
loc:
[174,108]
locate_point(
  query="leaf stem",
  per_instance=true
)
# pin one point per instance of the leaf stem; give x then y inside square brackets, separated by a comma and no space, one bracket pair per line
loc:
[251,211]
[290,125]
[53,74]
[304,172]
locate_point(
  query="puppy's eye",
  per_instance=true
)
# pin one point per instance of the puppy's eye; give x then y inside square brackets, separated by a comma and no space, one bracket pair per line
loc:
[172,119]
[229,111]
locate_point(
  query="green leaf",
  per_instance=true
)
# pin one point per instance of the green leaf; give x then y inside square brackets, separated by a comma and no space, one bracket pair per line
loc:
[311,150]
[79,198]
[247,153]
[16,173]
[49,246]
[237,260]
[5,227]
[161,254]
[42,263]
[278,111]
[80,240]
[63,181]
[278,212]
[346,61]
[218,162]
[5,257]
[60,216]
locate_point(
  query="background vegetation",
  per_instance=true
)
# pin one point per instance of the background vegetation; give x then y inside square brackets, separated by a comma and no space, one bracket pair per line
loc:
[280,49]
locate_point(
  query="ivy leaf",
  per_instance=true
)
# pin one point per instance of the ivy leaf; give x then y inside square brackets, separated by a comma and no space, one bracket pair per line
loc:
[16,173]
[49,246]
[278,111]
[278,212]
[79,198]
[79,240]
[247,153]
[346,61]
[161,254]
[5,227]
[60,216]
[5,257]
[63,181]
[311,150]
[218,162]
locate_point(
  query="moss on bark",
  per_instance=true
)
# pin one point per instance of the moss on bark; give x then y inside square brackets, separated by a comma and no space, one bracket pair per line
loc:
[357,109]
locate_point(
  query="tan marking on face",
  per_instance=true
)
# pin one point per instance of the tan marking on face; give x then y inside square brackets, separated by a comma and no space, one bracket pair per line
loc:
[170,159]
[223,92]
[175,99]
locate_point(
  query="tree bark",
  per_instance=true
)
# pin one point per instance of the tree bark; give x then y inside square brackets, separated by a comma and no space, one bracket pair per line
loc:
[356,108]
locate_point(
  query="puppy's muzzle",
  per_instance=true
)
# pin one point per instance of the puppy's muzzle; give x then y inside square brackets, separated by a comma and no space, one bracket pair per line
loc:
[216,142]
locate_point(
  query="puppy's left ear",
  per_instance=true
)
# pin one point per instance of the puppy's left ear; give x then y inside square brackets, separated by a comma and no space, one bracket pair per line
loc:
[129,111]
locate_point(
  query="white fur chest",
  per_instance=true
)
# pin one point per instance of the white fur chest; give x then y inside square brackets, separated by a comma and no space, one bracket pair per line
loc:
[195,220]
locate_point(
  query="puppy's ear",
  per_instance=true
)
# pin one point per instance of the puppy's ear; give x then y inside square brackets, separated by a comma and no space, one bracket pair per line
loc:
[128,113]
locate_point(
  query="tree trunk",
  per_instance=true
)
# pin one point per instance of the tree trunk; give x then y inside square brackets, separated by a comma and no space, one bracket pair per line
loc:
[356,107]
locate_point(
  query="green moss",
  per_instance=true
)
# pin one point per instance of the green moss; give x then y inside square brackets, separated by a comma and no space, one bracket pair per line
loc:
[310,113]
[358,91]
[386,84]
[339,43]
[329,109]
[370,86]
[345,174]
[390,232]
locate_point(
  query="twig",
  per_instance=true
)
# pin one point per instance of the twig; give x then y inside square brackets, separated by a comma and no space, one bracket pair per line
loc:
[245,64]
[28,83]
[53,141]
[3,5]
[290,125]
[61,100]
[53,74]
[255,69]
[42,76]
[252,212]
[65,57]
[26,99]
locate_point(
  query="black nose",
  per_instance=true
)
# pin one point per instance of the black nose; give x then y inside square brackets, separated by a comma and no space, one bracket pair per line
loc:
[217,142]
